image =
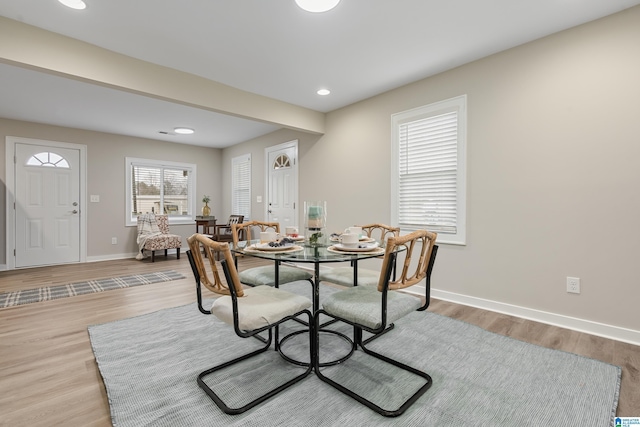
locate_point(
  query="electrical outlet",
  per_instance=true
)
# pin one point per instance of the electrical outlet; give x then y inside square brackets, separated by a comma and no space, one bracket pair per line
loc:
[573,285]
[114,240]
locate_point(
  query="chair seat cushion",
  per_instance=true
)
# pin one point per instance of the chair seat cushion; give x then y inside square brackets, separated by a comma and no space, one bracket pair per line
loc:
[363,305]
[344,276]
[265,275]
[259,307]
[163,241]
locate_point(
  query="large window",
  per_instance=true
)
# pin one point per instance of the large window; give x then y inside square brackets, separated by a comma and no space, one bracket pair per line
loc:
[429,169]
[241,186]
[161,187]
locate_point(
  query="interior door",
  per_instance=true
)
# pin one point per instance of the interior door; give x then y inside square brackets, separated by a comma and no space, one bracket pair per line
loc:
[282,191]
[47,211]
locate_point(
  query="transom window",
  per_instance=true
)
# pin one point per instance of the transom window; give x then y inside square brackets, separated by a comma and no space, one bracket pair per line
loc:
[281,162]
[48,159]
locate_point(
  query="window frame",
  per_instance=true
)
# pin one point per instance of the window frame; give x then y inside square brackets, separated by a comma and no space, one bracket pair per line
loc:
[459,105]
[236,162]
[130,162]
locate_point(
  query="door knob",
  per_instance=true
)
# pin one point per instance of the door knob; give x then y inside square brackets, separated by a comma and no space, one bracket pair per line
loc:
[75,203]
[74,211]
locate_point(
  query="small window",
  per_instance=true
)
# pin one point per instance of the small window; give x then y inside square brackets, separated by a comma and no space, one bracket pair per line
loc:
[48,159]
[241,186]
[282,162]
[162,188]
[429,169]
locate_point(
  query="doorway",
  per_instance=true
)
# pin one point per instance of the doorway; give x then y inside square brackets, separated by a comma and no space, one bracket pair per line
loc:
[282,184]
[45,203]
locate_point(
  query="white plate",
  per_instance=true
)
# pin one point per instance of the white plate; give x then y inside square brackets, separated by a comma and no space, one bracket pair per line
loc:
[370,247]
[266,247]
[375,251]
[363,239]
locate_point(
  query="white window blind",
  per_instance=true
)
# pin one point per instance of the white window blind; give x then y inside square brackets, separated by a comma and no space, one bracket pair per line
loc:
[160,187]
[241,186]
[428,154]
[429,187]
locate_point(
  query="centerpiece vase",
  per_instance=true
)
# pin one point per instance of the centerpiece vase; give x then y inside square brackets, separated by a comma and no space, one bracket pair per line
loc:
[315,223]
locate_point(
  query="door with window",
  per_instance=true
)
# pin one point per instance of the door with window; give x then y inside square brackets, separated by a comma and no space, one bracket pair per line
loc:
[47,205]
[282,189]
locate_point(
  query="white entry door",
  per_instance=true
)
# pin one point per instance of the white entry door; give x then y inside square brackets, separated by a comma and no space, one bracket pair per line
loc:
[47,211]
[282,188]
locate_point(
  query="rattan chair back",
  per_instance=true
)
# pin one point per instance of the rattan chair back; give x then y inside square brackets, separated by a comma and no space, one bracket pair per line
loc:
[420,242]
[246,228]
[380,232]
[208,272]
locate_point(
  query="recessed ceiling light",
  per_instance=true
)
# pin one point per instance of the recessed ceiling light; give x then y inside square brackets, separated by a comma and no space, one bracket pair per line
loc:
[317,6]
[183,131]
[73,4]
[323,92]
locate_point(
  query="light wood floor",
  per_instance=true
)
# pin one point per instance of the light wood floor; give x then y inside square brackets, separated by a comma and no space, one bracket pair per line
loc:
[48,375]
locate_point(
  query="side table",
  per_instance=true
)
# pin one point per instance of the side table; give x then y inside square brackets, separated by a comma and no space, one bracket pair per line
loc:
[205,222]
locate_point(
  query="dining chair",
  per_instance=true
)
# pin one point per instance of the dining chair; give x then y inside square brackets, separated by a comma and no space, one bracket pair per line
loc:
[222,232]
[265,275]
[371,309]
[366,277]
[207,277]
[250,312]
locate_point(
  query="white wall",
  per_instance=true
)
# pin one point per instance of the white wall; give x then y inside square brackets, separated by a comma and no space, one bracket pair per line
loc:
[553,176]
[552,173]
[106,177]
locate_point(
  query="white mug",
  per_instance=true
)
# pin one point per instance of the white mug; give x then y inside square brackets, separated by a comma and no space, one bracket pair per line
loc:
[354,230]
[291,231]
[268,236]
[350,240]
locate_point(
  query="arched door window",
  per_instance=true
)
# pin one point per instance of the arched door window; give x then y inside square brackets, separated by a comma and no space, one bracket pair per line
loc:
[48,159]
[281,162]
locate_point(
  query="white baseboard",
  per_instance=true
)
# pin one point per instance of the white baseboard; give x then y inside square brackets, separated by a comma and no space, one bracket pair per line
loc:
[111,257]
[581,325]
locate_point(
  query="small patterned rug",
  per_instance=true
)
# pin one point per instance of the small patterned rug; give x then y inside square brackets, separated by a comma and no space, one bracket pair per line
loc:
[46,293]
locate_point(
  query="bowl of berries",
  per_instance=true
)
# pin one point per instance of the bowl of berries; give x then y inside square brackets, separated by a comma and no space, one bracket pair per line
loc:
[278,245]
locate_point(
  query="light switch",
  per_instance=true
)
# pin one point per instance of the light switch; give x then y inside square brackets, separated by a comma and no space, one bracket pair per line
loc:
[94,198]
[258,199]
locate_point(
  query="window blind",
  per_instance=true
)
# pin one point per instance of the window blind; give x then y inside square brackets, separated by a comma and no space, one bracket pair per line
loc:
[241,186]
[163,190]
[428,153]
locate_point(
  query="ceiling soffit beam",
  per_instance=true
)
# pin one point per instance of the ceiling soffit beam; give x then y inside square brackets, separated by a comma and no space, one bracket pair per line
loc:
[31,47]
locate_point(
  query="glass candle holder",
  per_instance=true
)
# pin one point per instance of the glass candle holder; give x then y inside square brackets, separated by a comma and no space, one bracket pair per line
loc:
[315,221]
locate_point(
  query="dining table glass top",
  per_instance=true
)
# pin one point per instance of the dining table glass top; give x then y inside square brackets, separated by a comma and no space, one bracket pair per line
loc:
[303,252]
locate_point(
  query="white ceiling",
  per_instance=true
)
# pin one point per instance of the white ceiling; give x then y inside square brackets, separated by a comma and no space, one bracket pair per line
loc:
[268,47]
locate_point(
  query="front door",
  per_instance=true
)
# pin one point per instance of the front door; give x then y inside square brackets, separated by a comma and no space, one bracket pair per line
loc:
[47,205]
[282,188]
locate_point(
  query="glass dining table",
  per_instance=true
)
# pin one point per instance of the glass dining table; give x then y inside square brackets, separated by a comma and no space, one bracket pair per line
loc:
[304,253]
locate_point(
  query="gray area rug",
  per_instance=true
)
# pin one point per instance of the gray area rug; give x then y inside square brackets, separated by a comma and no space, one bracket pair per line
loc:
[149,365]
[46,293]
